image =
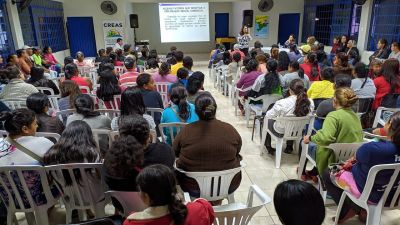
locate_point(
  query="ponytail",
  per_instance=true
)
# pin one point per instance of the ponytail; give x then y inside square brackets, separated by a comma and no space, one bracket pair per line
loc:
[271,80]
[205,107]
[183,109]
[296,66]
[312,58]
[394,129]
[178,97]
[177,209]
[302,107]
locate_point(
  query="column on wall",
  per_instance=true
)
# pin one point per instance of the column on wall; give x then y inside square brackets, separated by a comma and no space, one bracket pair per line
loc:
[15,25]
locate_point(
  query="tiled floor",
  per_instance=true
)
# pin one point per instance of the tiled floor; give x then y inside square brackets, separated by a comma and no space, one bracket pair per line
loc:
[259,170]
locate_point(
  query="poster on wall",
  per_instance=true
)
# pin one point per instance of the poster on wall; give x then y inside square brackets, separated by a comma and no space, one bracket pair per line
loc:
[261,29]
[112,31]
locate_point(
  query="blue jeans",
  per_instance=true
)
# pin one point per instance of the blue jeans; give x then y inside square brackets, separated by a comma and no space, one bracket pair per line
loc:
[312,150]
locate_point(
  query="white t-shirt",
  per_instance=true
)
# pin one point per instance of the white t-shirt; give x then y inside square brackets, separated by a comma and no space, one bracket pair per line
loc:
[10,155]
[117,46]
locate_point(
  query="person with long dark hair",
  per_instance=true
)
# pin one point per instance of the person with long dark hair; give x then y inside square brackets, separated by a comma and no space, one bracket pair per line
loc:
[388,83]
[354,179]
[72,73]
[297,104]
[152,66]
[180,109]
[269,83]
[69,91]
[311,67]
[164,74]
[343,45]
[341,64]
[157,185]
[353,53]
[191,143]
[132,104]
[38,79]
[294,54]
[298,202]
[195,86]
[283,63]
[247,79]
[51,59]
[151,98]
[188,64]
[295,72]
[395,47]
[183,75]
[324,88]
[108,88]
[362,85]
[382,51]
[244,39]
[40,104]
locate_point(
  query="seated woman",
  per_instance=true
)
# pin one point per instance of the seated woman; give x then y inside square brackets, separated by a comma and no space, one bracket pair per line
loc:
[38,79]
[297,104]
[183,75]
[132,104]
[233,68]
[72,73]
[195,86]
[84,106]
[164,74]
[362,85]
[80,59]
[39,103]
[294,73]
[179,111]
[108,89]
[341,64]
[283,63]
[269,83]
[192,146]
[298,202]
[388,82]
[340,126]
[157,185]
[151,98]
[311,67]
[50,59]
[354,179]
[152,66]
[69,91]
[322,89]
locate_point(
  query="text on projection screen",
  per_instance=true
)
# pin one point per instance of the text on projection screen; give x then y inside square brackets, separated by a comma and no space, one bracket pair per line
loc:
[184,22]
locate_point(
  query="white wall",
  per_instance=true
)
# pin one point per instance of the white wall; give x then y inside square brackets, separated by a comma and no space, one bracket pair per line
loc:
[280,6]
[237,20]
[149,27]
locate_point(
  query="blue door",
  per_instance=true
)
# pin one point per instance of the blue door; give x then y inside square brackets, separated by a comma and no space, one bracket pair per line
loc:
[288,24]
[221,25]
[81,36]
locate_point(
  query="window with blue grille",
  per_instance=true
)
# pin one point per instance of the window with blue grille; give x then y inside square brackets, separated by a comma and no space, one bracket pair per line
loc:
[43,24]
[385,22]
[6,43]
[326,19]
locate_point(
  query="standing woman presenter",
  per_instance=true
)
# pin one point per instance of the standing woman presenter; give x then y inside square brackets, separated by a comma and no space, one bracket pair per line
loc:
[244,39]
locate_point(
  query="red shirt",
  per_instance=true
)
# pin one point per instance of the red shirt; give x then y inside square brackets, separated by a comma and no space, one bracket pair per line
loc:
[382,89]
[238,51]
[118,63]
[307,68]
[128,77]
[80,81]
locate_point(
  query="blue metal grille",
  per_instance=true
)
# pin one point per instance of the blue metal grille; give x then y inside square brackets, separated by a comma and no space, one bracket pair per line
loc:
[43,24]
[326,19]
[385,22]
[6,43]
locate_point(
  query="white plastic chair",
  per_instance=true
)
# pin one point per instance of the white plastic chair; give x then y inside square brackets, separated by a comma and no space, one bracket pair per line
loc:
[85,88]
[84,71]
[99,134]
[110,113]
[119,70]
[57,137]
[239,213]
[14,183]
[214,185]
[236,97]
[128,84]
[173,130]
[129,200]
[63,114]
[54,102]
[153,111]
[82,187]
[258,109]
[375,211]
[14,103]
[378,117]
[46,90]
[293,130]
[162,88]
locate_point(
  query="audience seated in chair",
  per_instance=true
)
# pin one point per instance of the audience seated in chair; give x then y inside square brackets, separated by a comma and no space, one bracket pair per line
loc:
[388,82]
[382,51]
[183,75]
[297,104]
[362,85]
[40,104]
[187,62]
[108,89]
[192,146]
[283,63]
[341,64]
[298,202]
[23,62]
[102,57]
[132,104]
[323,88]
[233,68]
[16,87]
[38,79]
[262,63]
[152,66]
[72,73]
[340,126]
[69,91]
[178,55]
[164,74]
[353,179]
[311,67]
[151,98]
[157,185]
[294,73]
[131,74]
[269,83]
[195,86]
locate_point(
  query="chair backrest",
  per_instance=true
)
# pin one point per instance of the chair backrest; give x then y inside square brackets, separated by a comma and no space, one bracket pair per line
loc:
[318,101]
[162,88]
[53,99]
[364,105]
[294,126]
[14,103]
[226,215]
[55,136]
[17,183]
[378,117]
[63,114]
[84,71]
[392,186]
[268,100]
[111,113]
[113,135]
[85,88]
[81,183]
[98,134]
[141,68]
[344,151]
[213,185]
[173,130]
[116,102]
[119,70]
[46,90]
[153,111]
[101,221]
[130,201]
[129,84]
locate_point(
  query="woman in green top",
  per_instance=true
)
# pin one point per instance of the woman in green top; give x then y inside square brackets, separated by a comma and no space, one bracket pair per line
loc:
[340,126]
[37,57]
[270,83]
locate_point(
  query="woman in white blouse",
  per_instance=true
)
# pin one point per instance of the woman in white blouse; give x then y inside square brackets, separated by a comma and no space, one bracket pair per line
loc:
[297,104]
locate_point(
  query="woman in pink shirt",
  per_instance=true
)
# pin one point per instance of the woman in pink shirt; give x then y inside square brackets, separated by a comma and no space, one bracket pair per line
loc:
[50,59]
[164,74]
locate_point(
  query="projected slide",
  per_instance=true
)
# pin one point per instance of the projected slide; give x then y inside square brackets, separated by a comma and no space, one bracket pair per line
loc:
[184,22]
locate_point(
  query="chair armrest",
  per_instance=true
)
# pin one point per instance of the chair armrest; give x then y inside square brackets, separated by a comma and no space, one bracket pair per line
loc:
[255,190]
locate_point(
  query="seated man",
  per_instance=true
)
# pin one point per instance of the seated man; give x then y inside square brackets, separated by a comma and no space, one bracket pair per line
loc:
[131,74]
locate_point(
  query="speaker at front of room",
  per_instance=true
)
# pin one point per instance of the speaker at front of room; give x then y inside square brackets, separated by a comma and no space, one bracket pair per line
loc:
[248,18]
[134,19]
